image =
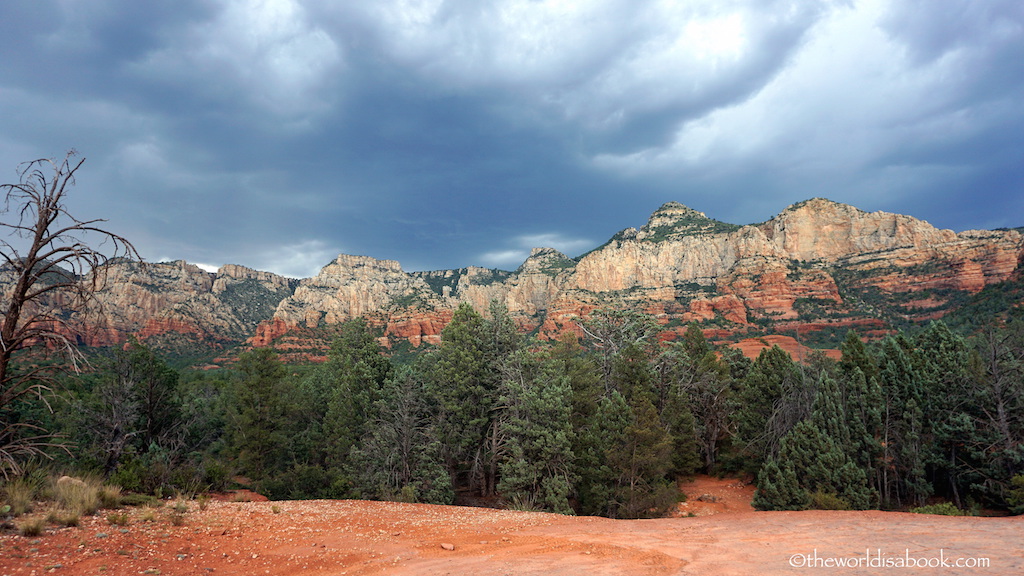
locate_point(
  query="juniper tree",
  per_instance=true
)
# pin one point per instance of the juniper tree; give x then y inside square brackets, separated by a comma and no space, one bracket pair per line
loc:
[465,378]
[770,400]
[260,414]
[538,466]
[354,374]
[399,457]
[133,408]
[779,489]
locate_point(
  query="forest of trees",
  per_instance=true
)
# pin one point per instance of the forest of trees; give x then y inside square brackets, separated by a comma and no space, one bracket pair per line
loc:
[603,425]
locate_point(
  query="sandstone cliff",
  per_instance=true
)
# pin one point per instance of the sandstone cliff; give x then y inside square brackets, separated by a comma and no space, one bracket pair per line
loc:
[817,269]
[155,300]
[817,266]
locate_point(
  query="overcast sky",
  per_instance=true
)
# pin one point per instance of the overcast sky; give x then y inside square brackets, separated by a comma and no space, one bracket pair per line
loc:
[277,134]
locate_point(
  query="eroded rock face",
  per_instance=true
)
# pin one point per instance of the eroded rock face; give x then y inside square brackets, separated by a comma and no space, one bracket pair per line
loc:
[801,266]
[818,265]
[150,300]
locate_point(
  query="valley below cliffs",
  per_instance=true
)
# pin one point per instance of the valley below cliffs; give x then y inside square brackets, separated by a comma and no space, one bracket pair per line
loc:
[814,271]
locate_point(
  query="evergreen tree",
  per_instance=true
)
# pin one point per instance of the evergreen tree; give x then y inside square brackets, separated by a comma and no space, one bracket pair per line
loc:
[133,409]
[689,373]
[903,457]
[259,414]
[948,408]
[857,357]
[640,461]
[769,401]
[823,469]
[351,382]
[537,470]
[465,379]
[998,444]
[864,405]
[399,456]
[778,488]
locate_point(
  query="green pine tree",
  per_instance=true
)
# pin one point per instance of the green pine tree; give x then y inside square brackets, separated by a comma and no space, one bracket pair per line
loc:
[778,488]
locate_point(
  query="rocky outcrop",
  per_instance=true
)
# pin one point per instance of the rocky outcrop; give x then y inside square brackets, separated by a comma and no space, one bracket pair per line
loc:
[817,267]
[150,300]
[818,263]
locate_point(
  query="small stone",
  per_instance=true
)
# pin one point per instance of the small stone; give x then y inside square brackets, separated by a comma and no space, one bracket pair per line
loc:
[447,546]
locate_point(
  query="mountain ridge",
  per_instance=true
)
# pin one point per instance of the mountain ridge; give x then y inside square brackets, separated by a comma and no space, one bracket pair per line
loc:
[817,268]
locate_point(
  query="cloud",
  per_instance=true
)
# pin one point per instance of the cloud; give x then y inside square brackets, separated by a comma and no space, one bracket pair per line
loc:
[853,117]
[521,246]
[440,133]
[614,68]
[266,53]
[297,260]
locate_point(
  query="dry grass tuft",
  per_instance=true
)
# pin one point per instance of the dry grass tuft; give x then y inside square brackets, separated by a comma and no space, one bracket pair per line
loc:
[19,494]
[77,496]
[117,518]
[32,526]
[110,496]
[62,517]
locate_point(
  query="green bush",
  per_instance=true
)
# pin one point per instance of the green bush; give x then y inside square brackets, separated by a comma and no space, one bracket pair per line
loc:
[943,509]
[828,501]
[1015,497]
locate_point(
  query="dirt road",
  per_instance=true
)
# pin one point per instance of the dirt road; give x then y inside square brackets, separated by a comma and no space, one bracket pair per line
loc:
[355,537]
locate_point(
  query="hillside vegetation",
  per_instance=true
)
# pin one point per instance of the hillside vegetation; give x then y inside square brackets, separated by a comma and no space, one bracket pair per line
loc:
[603,425]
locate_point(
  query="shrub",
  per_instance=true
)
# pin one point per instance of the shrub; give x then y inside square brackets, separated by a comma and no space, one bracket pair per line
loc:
[77,496]
[943,509]
[828,501]
[32,526]
[117,518]
[133,499]
[62,517]
[19,494]
[1015,498]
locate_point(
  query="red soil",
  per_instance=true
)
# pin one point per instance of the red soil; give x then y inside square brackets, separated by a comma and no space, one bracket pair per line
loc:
[356,537]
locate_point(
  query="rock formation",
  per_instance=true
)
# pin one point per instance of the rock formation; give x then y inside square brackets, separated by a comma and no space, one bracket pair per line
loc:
[154,300]
[819,267]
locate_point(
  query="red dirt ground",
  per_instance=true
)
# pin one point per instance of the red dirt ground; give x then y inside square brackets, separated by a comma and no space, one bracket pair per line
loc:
[363,538]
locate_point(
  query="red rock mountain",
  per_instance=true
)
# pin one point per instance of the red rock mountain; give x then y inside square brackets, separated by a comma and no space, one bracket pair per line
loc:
[818,268]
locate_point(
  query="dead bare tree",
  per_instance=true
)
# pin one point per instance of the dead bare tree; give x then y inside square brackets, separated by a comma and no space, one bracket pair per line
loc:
[52,263]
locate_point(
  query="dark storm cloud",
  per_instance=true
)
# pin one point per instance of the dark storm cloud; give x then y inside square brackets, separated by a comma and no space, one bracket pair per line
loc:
[444,133]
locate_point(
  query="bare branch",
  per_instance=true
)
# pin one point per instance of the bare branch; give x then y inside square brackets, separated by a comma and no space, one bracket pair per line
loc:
[52,261]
